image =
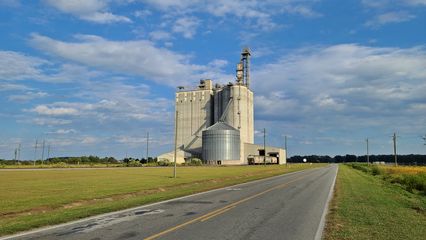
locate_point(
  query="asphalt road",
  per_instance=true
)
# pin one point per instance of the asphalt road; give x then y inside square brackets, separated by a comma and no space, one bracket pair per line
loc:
[289,206]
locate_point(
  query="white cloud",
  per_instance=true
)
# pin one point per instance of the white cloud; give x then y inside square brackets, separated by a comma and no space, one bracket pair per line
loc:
[4,86]
[90,10]
[142,13]
[105,17]
[89,140]
[390,3]
[54,111]
[48,121]
[139,57]
[259,14]
[187,26]
[343,87]
[27,96]
[17,66]
[159,35]
[389,17]
[65,131]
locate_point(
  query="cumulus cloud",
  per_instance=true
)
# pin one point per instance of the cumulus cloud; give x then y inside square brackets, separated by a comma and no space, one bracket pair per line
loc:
[258,13]
[4,86]
[90,10]
[18,66]
[387,3]
[54,111]
[65,131]
[344,86]
[27,96]
[15,66]
[187,26]
[159,35]
[138,57]
[389,17]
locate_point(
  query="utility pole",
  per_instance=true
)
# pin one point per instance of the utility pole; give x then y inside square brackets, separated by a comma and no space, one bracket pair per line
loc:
[264,146]
[147,146]
[35,152]
[176,131]
[394,149]
[285,145]
[368,156]
[42,152]
[16,153]
[19,152]
[48,151]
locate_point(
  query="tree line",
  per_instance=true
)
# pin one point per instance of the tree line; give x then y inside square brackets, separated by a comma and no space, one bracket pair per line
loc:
[410,159]
[79,160]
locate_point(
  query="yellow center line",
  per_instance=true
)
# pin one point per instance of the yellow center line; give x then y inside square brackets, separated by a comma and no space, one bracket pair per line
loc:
[218,213]
[223,209]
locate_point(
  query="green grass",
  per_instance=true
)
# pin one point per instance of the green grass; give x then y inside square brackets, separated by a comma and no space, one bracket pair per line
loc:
[61,165]
[367,207]
[30,199]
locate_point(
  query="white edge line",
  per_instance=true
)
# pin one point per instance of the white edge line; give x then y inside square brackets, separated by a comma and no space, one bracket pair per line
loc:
[321,225]
[143,206]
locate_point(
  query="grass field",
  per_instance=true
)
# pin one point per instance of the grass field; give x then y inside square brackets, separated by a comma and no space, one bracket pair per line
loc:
[367,207]
[59,165]
[34,198]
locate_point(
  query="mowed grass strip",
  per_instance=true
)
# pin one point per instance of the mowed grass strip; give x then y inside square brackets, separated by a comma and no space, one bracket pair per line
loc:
[30,199]
[366,207]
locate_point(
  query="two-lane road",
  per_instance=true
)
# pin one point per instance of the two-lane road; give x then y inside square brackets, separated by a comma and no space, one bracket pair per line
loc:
[289,206]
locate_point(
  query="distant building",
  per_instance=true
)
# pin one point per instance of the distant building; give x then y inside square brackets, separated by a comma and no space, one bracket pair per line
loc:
[216,123]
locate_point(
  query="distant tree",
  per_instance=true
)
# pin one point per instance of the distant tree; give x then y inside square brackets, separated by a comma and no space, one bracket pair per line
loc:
[339,159]
[350,158]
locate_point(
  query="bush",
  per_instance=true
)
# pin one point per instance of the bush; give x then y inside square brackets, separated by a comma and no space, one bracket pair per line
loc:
[414,181]
[194,162]
[134,163]
[375,170]
[360,166]
[164,163]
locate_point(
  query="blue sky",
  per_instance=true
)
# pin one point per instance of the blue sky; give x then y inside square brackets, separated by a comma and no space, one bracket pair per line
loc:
[93,76]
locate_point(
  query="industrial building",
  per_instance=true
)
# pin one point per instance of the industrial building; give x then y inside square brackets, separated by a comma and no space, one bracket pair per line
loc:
[216,123]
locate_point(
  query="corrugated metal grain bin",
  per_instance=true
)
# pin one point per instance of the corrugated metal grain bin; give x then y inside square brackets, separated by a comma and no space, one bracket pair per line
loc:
[221,142]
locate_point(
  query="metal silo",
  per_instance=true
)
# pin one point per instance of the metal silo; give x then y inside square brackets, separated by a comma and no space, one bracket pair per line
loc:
[221,142]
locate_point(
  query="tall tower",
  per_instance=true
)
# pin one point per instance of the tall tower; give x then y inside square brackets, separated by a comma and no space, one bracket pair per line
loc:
[234,102]
[243,68]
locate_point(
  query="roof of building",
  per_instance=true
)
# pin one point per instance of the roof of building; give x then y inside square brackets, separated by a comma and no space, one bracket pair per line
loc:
[221,126]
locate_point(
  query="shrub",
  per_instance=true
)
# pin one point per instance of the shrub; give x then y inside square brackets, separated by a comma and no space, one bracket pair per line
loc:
[375,170]
[415,181]
[134,163]
[164,162]
[360,166]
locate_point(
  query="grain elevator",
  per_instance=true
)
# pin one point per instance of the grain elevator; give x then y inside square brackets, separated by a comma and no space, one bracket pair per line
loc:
[215,123]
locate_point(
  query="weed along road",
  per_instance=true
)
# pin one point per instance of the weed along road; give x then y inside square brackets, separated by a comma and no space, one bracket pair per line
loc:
[289,206]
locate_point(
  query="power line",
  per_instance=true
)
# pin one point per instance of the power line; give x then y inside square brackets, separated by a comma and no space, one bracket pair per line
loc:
[147,146]
[285,146]
[264,146]
[175,154]
[368,156]
[19,152]
[394,149]
[42,152]
[35,152]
